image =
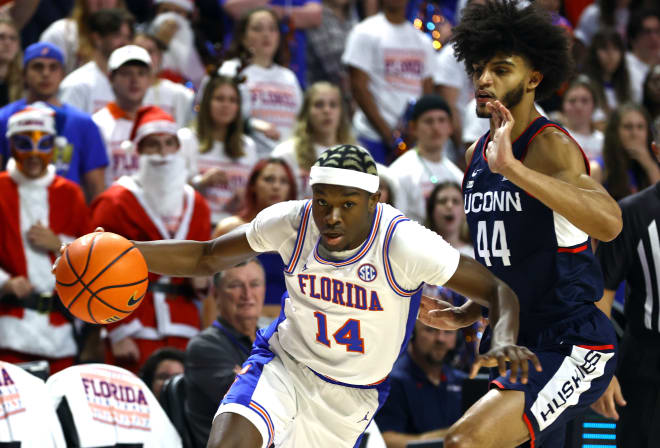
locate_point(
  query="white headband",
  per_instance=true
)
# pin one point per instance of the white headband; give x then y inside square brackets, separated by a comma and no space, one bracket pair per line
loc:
[343,177]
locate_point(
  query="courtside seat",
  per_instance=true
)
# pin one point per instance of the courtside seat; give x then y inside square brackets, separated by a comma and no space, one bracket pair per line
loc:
[172,399]
[101,405]
[27,416]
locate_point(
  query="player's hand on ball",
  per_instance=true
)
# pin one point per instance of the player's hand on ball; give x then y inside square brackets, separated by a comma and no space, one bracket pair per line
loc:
[611,398]
[517,356]
[63,249]
[126,349]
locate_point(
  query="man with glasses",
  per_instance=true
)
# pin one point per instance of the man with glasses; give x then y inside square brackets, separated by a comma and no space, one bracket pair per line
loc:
[40,210]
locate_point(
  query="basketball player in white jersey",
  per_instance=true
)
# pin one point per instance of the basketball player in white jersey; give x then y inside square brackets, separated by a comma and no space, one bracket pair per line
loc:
[354,273]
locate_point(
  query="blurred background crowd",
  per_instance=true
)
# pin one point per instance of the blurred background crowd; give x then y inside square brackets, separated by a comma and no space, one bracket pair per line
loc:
[183,119]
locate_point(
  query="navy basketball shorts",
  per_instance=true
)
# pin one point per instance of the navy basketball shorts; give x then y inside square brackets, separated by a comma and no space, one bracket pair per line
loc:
[293,406]
[578,359]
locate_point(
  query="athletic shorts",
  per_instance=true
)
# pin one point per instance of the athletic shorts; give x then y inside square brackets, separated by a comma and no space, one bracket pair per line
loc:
[295,407]
[578,359]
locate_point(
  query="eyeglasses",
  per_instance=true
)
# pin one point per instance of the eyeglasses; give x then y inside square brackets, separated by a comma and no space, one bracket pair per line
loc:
[25,143]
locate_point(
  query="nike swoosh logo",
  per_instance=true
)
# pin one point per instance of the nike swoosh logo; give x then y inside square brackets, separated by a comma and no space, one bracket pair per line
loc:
[132,301]
[474,173]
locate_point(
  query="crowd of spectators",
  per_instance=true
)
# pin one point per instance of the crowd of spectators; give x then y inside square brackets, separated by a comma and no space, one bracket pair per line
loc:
[183,119]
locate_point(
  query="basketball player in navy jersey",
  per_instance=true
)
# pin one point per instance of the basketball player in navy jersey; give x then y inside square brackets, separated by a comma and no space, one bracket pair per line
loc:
[532,208]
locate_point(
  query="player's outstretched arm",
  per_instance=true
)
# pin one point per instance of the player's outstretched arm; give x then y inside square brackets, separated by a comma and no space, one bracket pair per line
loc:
[554,172]
[182,258]
[196,258]
[476,282]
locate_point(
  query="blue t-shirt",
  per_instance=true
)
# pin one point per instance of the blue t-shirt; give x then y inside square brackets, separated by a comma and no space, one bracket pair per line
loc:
[415,405]
[84,150]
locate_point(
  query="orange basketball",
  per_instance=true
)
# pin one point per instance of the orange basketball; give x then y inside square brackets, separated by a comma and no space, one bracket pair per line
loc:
[101,277]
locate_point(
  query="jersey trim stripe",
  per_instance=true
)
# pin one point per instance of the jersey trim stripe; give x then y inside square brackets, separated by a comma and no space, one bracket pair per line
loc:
[375,224]
[386,259]
[331,380]
[300,239]
[532,436]
[264,415]
[599,348]
[554,125]
[573,250]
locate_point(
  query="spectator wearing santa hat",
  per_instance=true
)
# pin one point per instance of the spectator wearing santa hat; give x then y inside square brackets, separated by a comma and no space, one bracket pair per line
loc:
[40,210]
[154,203]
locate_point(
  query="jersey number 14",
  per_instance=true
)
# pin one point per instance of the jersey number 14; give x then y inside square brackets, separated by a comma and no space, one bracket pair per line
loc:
[348,335]
[498,246]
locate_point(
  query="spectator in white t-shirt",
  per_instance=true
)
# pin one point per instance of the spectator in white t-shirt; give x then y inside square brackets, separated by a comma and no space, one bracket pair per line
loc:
[129,69]
[644,39]
[72,34]
[322,123]
[223,155]
[391,64]
[88,87]
[425,165]
[271,93]
[599,14]
[174,98]
[455,86]
[579,105]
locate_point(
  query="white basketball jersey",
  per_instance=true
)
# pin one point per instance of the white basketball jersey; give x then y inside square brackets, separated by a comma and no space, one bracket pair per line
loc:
[349,319]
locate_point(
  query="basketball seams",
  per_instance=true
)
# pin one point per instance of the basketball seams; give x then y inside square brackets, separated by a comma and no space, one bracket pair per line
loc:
[95,294]
[89,308]
[68,260]
[87,285]
[106,304]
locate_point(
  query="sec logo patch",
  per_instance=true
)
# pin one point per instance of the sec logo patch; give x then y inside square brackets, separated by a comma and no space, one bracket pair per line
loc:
[367,272]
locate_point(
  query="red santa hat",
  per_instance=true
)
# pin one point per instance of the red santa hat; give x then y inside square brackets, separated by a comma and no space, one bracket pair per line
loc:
[185,4]
[151,120]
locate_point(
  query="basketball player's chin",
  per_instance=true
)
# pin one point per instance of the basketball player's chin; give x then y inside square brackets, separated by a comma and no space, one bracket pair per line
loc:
[333,244]
[482,112]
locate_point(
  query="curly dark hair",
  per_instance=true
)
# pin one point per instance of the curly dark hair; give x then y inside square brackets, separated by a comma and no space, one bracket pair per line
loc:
[500,26]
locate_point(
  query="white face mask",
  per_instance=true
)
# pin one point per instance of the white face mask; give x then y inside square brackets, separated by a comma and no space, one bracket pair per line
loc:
[162,179]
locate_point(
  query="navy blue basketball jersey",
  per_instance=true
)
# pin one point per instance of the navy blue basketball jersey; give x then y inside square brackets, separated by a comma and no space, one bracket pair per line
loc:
[545,259]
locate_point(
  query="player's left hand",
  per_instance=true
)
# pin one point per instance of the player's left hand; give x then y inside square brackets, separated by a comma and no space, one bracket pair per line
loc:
[517,356]
[611,398]
[62,248]
[443,315]
[499,150]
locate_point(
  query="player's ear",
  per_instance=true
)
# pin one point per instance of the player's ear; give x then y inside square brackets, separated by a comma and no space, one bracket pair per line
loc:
[535,79]
[373,200]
